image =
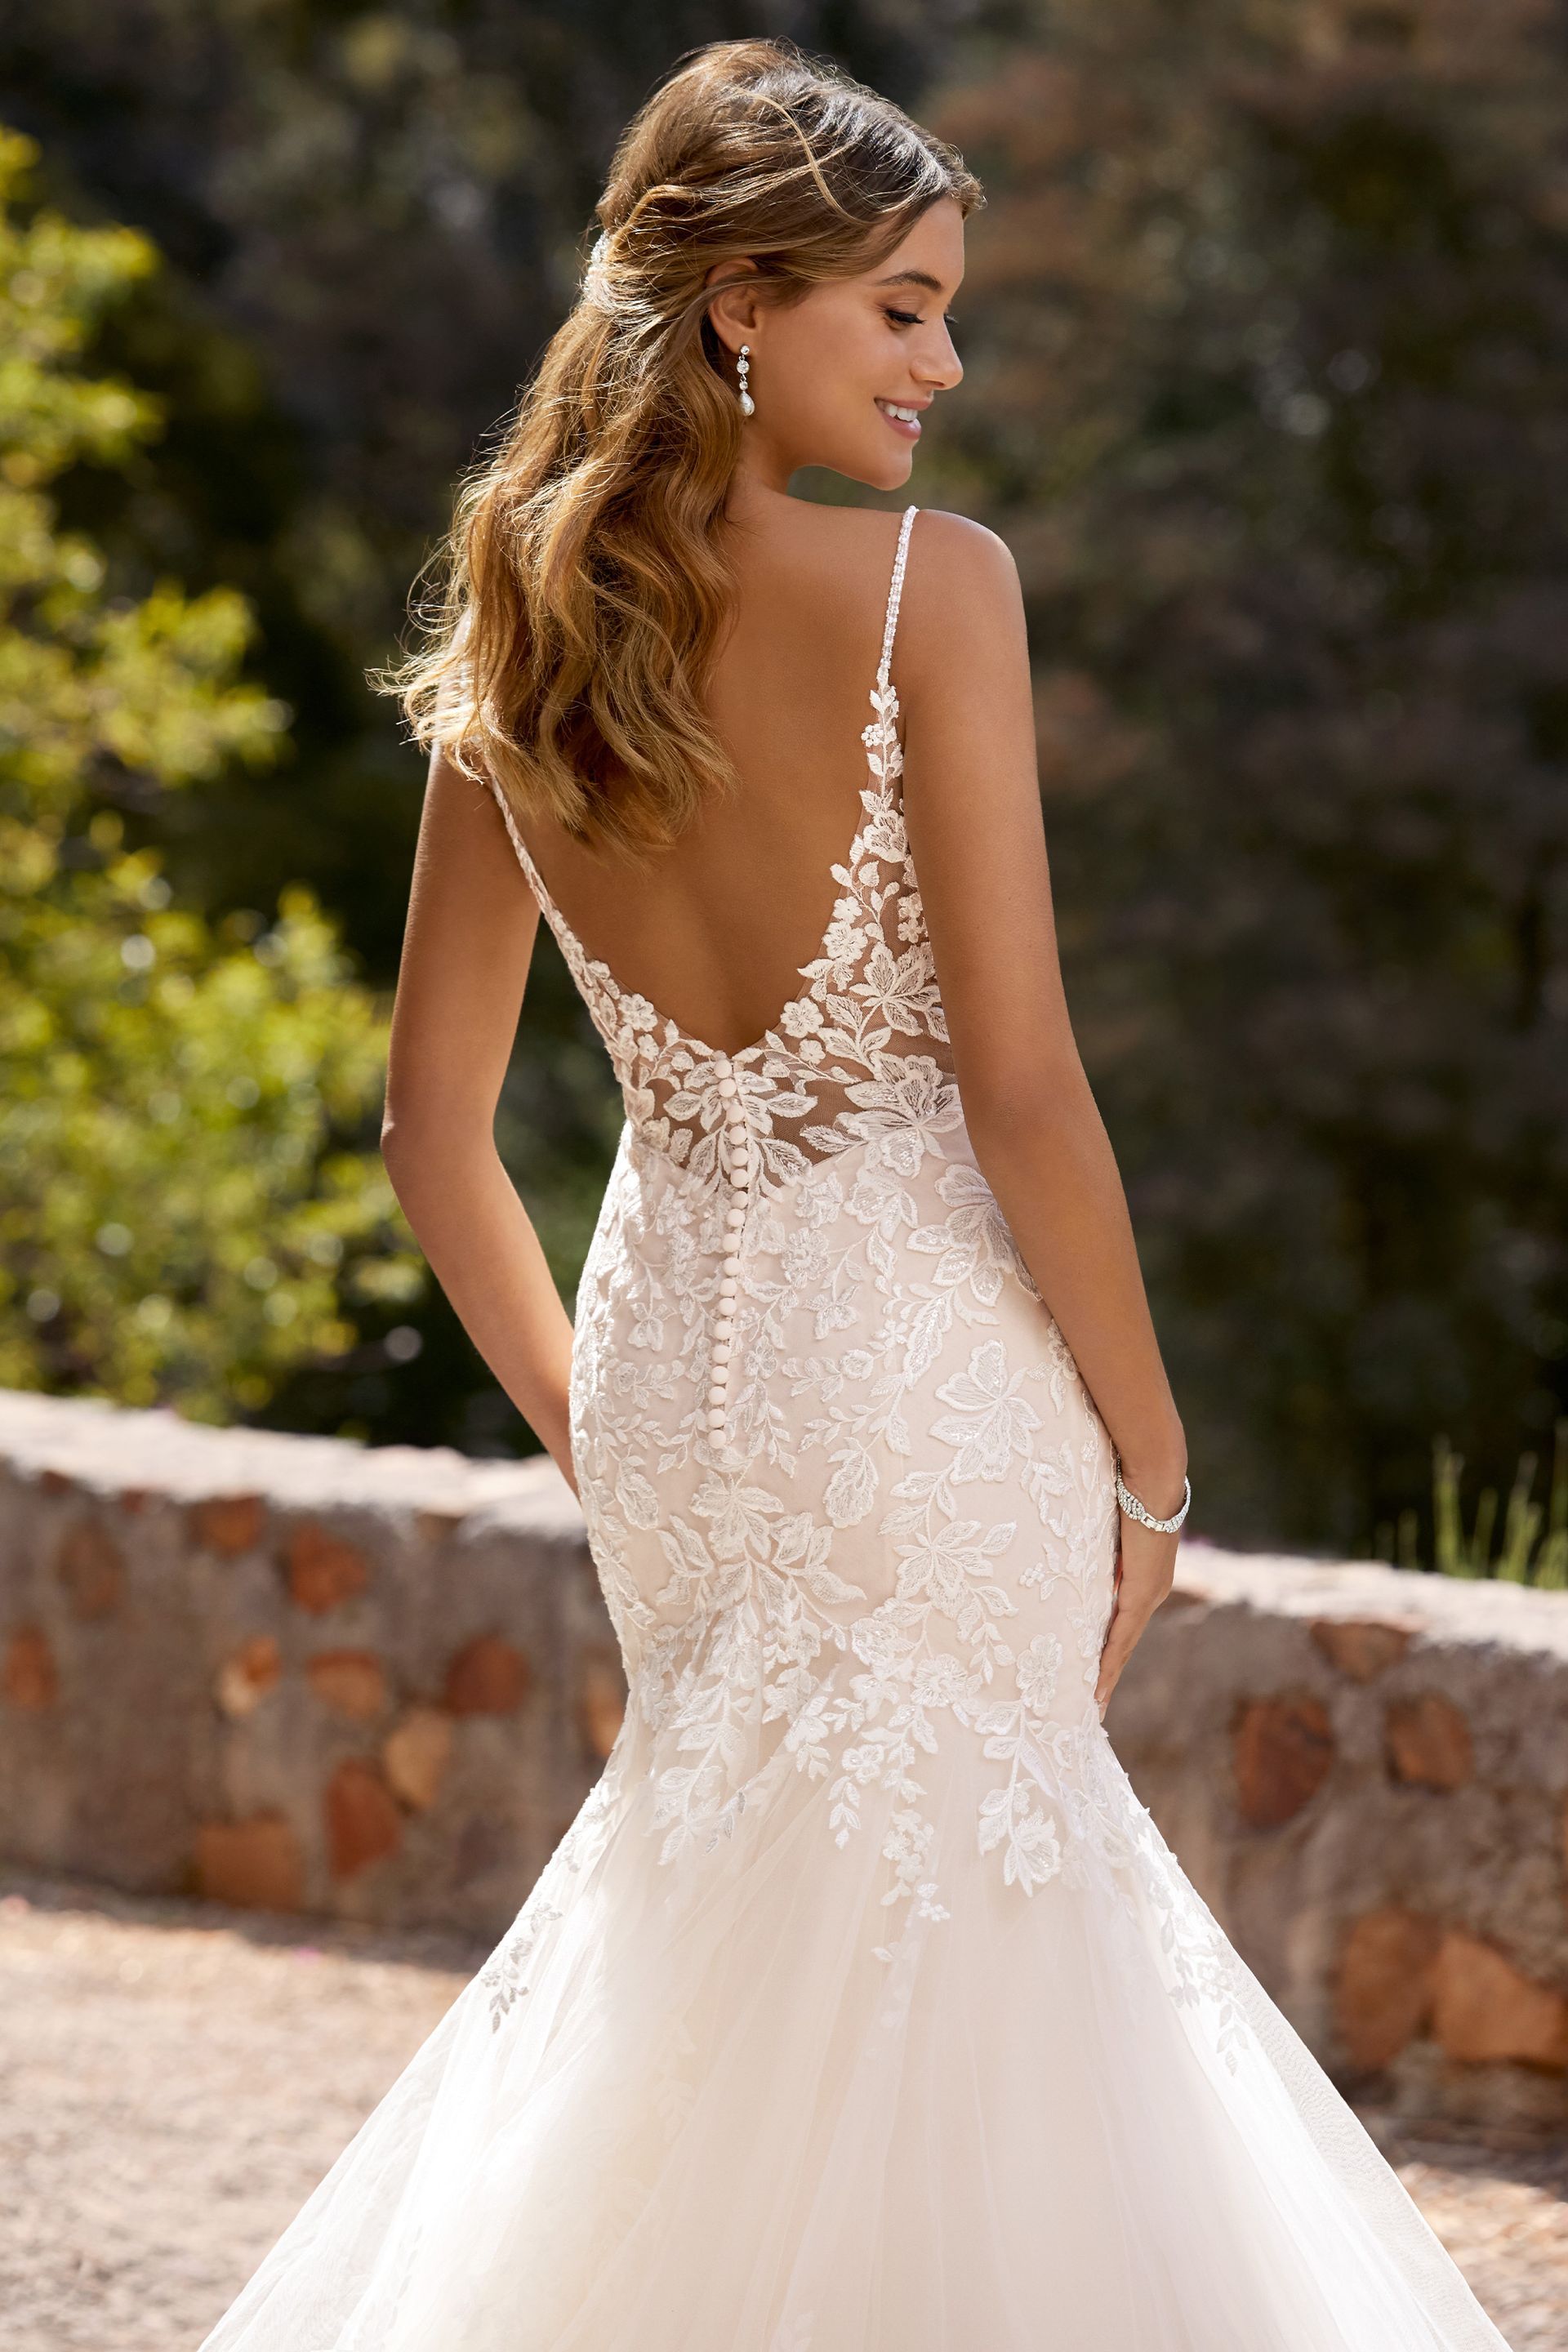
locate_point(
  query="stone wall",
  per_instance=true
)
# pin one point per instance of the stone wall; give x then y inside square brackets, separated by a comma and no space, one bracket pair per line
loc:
[291,1671]
[298,1674]
[1365,1773]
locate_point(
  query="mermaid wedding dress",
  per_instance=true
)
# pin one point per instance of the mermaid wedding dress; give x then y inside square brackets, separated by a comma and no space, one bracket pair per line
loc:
[863,2007]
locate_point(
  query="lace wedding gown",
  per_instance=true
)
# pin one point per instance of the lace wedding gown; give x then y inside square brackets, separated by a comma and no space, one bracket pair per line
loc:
[863,2007]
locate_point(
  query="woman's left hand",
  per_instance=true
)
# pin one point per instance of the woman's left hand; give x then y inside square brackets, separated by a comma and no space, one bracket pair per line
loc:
[1145,1572]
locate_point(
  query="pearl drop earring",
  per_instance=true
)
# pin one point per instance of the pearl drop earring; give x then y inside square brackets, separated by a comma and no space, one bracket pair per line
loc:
[743,370]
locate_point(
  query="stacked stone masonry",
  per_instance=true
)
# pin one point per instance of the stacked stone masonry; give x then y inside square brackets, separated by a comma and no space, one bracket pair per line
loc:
[308,1676]
[290,1672]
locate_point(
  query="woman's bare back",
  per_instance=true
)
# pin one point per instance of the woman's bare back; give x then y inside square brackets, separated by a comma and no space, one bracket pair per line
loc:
[713,932]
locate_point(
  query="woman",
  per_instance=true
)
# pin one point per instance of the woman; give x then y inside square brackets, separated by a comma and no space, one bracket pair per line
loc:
[863,2007]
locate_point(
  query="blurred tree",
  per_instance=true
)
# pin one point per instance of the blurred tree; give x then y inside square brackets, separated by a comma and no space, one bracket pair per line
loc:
[182,1215]
[372,218]
[1268,328]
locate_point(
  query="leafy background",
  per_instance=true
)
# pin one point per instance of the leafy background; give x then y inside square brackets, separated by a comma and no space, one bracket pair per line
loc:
[1266,334]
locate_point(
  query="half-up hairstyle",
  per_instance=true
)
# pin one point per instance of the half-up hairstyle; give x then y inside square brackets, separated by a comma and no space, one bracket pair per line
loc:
[584,586]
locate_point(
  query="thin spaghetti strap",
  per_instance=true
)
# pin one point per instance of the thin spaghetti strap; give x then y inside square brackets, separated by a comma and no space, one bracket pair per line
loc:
[895,593]
[534,876]
[571,946]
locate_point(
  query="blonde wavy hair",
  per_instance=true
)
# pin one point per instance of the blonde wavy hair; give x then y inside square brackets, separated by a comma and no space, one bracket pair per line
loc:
[583,591]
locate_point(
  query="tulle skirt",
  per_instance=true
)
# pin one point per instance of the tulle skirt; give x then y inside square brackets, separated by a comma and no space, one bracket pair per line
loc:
[736,2102]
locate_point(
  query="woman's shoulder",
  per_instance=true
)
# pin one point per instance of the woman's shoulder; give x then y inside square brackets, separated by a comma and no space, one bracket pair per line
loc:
[962,603]
[873,531]
[958,573]
[951,560]
[821,574]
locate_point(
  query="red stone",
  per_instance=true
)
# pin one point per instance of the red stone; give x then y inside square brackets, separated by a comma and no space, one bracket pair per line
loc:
[247,1674]
[29,1677]
[416,1753]
[256,1864]
[1485,2008]
[226,1524]
[1383,1996]
[323,1571]
[1361,1647]
[601,1702]
[363,1824]
[1281,1747]
[1426,1741]
[351,1681]
[90,1565]
[486,1676]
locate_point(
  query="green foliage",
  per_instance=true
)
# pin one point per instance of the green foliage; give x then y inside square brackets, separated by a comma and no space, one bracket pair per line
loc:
[370,220]
[182,1218]
[1534,1547]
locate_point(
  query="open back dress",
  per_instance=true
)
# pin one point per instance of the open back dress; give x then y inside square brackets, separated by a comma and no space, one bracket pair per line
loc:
[863,2007]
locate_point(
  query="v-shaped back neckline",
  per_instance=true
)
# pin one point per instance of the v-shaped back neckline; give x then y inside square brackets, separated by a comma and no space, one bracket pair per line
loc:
[589,969]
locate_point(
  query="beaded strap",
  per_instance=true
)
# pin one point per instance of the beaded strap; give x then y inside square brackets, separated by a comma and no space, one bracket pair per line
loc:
[894,593]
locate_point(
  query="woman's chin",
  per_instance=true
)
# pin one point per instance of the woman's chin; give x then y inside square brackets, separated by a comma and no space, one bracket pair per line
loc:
[879,469]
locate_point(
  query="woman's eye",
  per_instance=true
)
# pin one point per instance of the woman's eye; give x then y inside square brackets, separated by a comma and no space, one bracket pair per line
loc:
[905,318]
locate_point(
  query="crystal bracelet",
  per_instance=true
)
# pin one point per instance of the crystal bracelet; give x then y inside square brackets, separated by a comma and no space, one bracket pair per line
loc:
[1136,1510]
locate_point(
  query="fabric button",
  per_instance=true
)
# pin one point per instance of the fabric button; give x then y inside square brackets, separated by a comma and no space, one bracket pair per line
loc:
[727,1086]
[735,1219]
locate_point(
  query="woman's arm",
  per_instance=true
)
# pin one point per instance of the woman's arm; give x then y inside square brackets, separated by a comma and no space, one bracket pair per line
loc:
[973,804]
[472,921]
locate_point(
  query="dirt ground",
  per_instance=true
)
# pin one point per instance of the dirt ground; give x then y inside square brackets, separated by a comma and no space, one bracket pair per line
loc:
[173,2081]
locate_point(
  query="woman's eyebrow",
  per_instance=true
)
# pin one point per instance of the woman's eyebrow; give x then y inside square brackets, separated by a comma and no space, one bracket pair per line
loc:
[912,278]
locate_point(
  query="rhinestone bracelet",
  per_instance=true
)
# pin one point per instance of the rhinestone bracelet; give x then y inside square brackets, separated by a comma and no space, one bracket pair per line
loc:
[1136,1510]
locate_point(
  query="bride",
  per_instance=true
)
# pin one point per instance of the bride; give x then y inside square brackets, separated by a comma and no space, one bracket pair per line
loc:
[863,2007]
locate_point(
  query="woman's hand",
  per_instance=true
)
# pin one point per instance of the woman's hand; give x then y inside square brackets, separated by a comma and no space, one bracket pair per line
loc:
[1145,1572]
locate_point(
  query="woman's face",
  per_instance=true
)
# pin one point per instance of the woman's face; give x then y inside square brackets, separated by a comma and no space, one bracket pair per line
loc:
[842,377]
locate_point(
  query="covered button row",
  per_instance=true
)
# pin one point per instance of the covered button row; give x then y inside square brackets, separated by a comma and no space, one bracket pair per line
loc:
[738,1159]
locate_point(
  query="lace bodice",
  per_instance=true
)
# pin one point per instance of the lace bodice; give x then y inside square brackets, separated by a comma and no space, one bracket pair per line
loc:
[860,1050]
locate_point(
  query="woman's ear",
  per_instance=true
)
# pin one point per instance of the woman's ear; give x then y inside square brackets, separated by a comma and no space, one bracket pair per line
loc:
[736,307]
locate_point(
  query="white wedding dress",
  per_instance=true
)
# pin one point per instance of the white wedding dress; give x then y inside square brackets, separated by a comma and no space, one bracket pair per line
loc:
[863,2007]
